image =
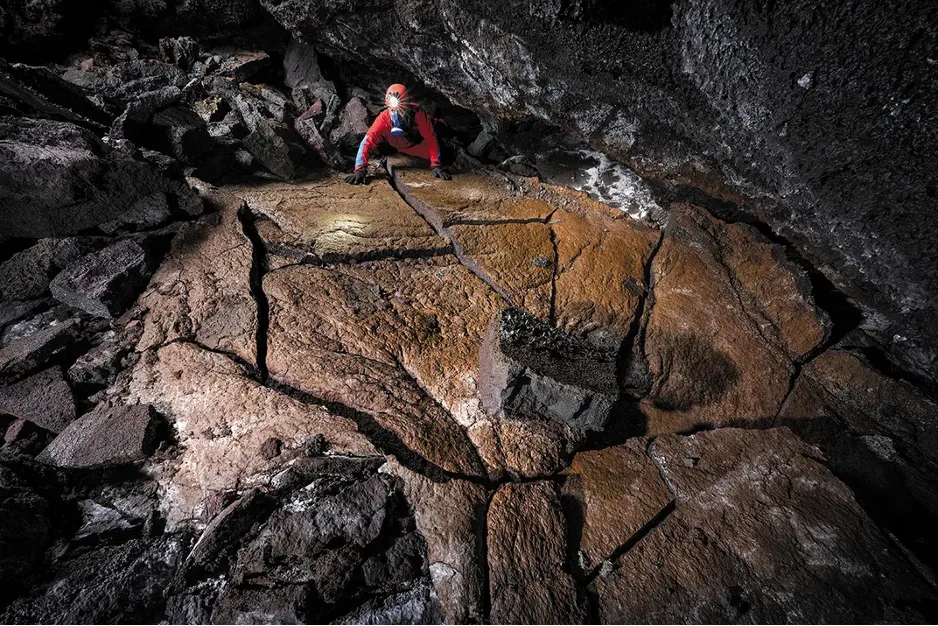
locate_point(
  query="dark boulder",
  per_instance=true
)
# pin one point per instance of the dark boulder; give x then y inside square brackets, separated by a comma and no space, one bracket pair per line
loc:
[39,92]
[182,52]
[106,584]
[529,369]
[106,283]
[31,352]
[182,133]
[109,435]
[276,146]
[26,275]
[57,178]
[44,399]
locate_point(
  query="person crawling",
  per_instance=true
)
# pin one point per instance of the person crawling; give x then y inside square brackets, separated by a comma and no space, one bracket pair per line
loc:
[402,125]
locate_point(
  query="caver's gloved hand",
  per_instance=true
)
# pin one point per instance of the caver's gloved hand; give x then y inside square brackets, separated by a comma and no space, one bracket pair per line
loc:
[357,178]
[439,172]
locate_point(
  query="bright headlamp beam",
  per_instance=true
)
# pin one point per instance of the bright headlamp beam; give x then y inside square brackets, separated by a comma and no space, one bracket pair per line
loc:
[393,102]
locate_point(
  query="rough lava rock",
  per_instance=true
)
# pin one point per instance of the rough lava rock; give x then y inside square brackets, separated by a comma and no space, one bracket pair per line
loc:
[106,283]
[108,435]
[44,399]
[529,369]
[744,499]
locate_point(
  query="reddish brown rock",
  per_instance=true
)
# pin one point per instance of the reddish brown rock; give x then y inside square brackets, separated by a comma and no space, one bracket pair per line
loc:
[762,533]
[448,516]
[517,258]
[524,448]
[44,399]
[527,546]
[108,435]
[711,363]
[332,221]
[470,198]
[375,336]
[602,254]
[221,420]
[618,490]
[202,290]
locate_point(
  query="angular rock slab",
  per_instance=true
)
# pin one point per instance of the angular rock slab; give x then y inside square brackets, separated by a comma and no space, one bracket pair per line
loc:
[530,369]
[202,290]
[108,435]
[44,399]
[105,283]
[775,290]
[762,533]
[524,448]
[375,336]
[222,418]
[617,491]
[33,351]
[526,553]
[448,516]
[336,222]
[710,361]
[470,198]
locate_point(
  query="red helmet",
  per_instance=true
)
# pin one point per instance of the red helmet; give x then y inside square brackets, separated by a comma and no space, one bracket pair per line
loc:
[395,96]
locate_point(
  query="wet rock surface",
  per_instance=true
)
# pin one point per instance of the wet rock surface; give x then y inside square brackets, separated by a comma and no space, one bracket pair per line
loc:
[558,388]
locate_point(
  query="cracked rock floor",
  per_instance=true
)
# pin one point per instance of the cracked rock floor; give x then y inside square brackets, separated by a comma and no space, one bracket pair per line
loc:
[701,488]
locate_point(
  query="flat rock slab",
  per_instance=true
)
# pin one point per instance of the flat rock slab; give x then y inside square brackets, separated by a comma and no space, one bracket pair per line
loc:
[202,290]
[222,418]
[762,533]
[530,369]
[524,448]
[470,198]
[108,435]
[105,283]
[44,399]
[335,222]
[375,336]
[601,260]
[528,580]
[31,352]
[880,437]
[448,516]
[616,491]
[711,362]
[518,259]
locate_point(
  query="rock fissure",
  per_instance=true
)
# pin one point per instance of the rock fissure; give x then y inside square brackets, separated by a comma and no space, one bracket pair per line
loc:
[460,253]
[258,269]
[659,518]
[552,318]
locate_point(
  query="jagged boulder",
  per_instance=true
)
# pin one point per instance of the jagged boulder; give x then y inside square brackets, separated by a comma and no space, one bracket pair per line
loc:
[529,369]
[105,283]
[109,435]
[57,178]
[44,399]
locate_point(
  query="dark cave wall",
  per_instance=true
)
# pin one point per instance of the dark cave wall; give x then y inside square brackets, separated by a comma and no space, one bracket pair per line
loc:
[823,113]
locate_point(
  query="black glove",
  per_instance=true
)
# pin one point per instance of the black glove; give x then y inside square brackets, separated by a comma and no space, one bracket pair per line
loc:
[439,172]
[357,178]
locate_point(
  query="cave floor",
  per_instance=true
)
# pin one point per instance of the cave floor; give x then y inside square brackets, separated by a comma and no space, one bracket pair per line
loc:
[701,468]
